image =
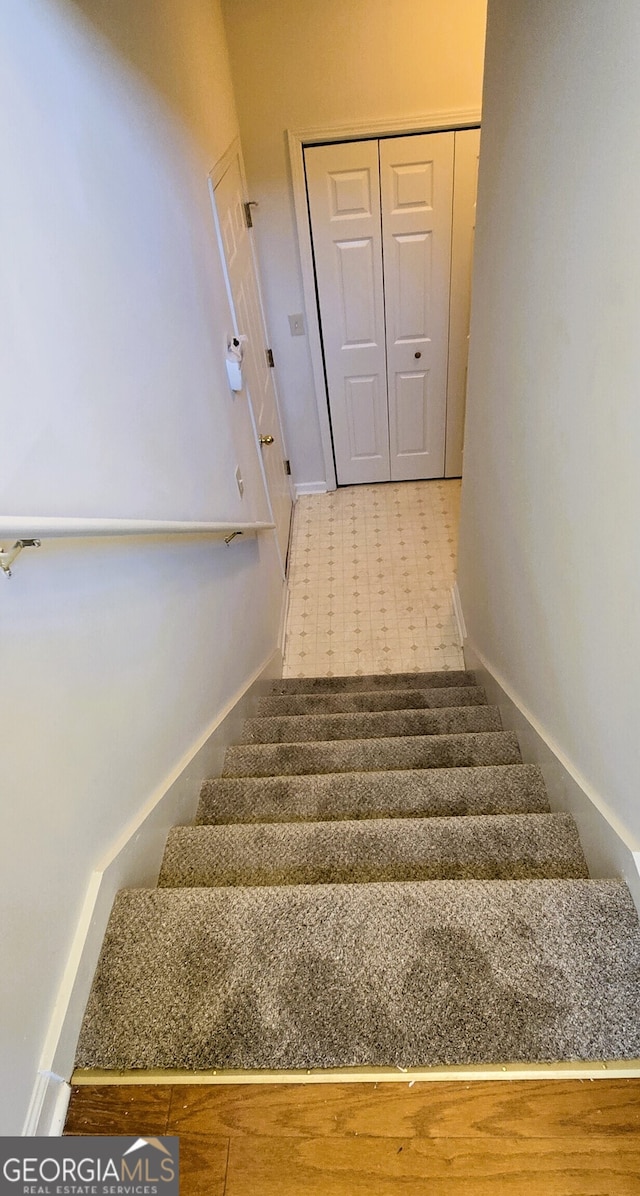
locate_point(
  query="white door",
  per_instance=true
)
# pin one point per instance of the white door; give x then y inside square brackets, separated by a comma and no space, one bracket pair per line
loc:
[383,262]
[244,296]
[344,196]
[416,180]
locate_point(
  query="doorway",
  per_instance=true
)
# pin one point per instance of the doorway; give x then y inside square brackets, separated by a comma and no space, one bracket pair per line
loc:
[397,319]
[230,206]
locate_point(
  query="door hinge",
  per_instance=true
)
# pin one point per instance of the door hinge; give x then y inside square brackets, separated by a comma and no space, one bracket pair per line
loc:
[287,467]
[248,218]
[270,362]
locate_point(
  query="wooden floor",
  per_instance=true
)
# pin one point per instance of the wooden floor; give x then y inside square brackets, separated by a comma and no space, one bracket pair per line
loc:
[539,1138]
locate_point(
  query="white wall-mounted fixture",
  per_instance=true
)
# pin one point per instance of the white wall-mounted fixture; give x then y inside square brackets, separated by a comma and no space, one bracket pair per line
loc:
[296,324]
[8,555]
[51,528]
[235,354]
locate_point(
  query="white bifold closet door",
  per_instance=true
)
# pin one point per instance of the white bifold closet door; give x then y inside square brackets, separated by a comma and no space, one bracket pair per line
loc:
[381,220]
[416,184]
[343,184]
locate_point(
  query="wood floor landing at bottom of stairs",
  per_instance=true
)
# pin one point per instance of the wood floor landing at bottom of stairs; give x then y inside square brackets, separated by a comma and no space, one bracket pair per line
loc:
[542,1138]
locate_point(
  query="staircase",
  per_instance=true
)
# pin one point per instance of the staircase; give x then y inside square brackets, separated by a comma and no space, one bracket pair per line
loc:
[376,879]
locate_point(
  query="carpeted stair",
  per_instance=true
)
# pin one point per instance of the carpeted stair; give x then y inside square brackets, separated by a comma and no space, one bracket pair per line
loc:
[376,879]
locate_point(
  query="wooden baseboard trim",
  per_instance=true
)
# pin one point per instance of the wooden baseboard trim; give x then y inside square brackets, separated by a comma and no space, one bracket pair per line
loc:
[618,1069]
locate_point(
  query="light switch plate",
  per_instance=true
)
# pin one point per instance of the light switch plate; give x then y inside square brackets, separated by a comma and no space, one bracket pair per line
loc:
[296,324]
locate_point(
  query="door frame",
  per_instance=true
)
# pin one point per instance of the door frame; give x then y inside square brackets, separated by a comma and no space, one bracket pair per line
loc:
[297,139]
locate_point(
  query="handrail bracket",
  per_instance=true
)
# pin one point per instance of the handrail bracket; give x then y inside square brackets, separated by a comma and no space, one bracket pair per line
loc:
[8,555]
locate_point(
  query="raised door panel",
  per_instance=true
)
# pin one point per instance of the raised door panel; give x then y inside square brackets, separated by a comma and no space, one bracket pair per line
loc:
[344,201]
[467,153]
[355,270]
[416,175]
[351,192]
[411,401]
[362,406]
[409,292]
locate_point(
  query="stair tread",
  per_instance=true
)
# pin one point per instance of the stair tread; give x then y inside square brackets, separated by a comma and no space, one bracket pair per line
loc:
[488,789]
[398,973]
[354,683]
[301,728]
[369,700]
[486,847]
[369,755]
[376,879]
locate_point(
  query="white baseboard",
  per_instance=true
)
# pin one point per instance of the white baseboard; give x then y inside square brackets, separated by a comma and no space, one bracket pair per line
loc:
[608,845]
[310,488]
[458,615]
[284,611]
[48,1106]
[133,861]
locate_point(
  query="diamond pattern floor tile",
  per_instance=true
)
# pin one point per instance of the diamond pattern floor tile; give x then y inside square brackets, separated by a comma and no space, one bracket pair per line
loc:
[371,571]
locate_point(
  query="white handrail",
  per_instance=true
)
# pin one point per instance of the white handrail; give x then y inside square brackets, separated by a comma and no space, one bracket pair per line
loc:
[29,530]
[47,527]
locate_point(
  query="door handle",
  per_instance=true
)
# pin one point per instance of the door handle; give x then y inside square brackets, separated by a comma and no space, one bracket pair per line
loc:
[266,439]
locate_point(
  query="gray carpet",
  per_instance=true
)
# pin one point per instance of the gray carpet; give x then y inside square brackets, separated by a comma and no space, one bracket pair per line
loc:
[303,728]
[371,755]
[376,884]
[371,681]
[491,847]
[411,793]
[345,702]
[387,974]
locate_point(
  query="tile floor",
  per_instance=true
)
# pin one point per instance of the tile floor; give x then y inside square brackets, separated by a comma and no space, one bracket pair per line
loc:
[370,577]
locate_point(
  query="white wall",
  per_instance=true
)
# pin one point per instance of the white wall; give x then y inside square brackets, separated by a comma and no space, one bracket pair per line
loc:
[297,65]
[549,564]
[116,657]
